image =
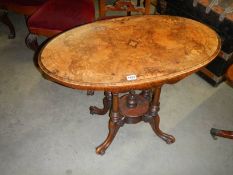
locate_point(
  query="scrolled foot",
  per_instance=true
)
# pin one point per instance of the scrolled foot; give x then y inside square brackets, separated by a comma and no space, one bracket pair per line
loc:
[96,110]
[154,122]
[107,101]
[100,151]
[113,129]
[169,139]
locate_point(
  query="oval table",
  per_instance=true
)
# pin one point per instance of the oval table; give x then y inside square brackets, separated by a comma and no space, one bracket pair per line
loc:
[126,54]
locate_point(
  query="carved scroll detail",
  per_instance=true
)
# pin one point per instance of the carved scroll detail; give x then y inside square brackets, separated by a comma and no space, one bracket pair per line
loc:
[128,6]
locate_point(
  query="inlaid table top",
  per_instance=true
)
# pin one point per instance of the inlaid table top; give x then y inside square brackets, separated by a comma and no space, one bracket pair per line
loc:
[125,53]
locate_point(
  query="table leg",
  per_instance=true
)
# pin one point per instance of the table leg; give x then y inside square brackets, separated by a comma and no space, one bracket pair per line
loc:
[154,118]
[107,101]
[115,122]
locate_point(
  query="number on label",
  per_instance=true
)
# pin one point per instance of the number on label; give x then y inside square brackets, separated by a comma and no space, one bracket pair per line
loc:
[131,77]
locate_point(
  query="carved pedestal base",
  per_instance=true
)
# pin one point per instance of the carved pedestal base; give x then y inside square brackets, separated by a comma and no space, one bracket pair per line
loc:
[131,109]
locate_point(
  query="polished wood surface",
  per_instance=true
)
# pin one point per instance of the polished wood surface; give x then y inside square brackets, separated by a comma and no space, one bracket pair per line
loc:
[156,49]
[128,53]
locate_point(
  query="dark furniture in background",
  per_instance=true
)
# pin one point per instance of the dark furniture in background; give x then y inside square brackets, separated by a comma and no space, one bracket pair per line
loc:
[124,6]
[24,7]
[47,17]
[223,133]
[217,16]
[56,16]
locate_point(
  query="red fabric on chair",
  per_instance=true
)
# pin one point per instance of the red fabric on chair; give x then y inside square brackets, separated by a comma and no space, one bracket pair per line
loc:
[23,2]
[25,7]
[28,2]
[56,16]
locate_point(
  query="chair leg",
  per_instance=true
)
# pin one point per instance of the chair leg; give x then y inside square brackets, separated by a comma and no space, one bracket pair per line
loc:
[31,42]
[5,20]
[221,133]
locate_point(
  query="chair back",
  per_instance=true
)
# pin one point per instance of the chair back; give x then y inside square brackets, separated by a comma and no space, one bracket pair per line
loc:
[127,6]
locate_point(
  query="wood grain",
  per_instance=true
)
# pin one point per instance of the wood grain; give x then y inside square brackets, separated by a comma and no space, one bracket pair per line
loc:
[157,49]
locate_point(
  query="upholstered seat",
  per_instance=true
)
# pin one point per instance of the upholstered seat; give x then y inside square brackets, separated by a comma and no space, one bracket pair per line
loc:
[23,2]
[25,7]
[56,16]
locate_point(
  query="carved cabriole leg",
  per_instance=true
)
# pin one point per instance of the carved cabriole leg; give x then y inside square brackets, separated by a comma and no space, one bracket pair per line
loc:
[154,119]
[107,101]
[115,122]
[5,20]
[31,42]
[155,126]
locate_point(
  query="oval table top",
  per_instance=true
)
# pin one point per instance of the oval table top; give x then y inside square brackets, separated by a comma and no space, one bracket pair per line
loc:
[135,52]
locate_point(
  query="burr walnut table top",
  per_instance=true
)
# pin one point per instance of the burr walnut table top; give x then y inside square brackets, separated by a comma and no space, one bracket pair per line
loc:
[129,52]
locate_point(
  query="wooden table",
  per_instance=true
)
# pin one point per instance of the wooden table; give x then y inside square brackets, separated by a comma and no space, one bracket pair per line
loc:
[126,54]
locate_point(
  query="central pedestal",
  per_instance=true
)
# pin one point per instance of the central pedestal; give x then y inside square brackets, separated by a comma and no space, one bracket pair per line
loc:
[131,108]
[135,106]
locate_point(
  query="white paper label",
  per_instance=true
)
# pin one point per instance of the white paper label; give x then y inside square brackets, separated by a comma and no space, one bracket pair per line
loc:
[131,77]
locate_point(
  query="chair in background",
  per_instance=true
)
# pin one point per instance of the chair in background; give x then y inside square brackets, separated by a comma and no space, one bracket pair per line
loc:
[24,7]
[120,6]
[223,133]
[56,16]
[128,7]
[123,6]
[153,3]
